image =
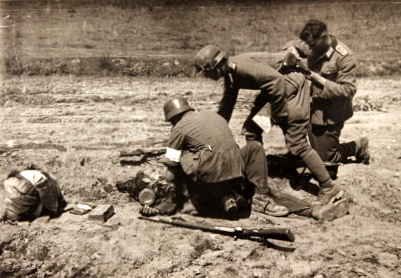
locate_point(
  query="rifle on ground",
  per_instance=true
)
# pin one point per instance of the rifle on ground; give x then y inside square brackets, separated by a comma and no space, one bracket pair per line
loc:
[139,156]
[237,232]
[292,63]
[147,151]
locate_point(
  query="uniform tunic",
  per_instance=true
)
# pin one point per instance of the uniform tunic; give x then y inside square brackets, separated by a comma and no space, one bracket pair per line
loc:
[247,73]
[332,103]
[295,126]
[211,163]
[209,151]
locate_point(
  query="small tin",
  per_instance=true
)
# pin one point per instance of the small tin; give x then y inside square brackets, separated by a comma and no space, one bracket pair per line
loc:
[147,197]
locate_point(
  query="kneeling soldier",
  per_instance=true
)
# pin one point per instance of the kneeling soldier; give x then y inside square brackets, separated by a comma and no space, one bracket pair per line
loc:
[288,95]
[218,175]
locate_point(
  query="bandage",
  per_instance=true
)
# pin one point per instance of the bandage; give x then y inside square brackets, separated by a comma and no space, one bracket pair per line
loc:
[173,155]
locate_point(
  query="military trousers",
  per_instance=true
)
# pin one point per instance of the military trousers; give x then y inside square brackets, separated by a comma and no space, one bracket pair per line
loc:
[207,197]
[326,141]
[295,126]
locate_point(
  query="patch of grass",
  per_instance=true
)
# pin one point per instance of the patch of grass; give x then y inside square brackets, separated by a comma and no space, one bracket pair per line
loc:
[100,66]
[157,34]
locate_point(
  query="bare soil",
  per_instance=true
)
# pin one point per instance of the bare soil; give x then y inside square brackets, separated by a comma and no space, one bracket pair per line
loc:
[74,128]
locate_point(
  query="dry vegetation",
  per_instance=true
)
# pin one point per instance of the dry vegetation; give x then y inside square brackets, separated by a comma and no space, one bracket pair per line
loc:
[159,37]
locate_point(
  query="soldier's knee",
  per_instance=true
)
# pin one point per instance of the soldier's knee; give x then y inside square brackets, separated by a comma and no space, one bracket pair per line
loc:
[255,146]
[297,149]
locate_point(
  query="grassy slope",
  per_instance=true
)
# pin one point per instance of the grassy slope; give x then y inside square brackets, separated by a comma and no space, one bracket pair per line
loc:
[177,29]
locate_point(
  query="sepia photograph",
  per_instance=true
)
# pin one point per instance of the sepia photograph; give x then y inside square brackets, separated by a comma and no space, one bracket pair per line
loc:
[209,138]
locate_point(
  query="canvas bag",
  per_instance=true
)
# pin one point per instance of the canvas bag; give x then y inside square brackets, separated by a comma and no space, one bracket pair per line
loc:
[28,193]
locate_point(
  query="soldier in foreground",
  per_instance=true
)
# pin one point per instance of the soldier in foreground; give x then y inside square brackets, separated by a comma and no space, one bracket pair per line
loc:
[31,193]
[333,76]
[220,177]
[289,98]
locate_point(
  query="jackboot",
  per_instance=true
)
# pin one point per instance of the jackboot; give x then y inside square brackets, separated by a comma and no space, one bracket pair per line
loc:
[362,150]
[329,191]
[268,206]
[331,211]
[273,209]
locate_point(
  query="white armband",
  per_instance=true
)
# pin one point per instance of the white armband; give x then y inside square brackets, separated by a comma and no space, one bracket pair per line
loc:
[173,155]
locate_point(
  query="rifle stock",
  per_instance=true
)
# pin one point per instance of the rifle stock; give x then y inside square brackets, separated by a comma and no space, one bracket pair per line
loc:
[280,233]
[238,232]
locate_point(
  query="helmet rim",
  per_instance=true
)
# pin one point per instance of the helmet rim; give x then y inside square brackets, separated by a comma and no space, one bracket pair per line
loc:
[208,58]
[174,107]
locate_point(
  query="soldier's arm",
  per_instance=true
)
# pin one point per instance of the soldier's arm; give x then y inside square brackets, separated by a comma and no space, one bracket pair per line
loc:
[298,47]
[228,101]
[174,150]
[345,84]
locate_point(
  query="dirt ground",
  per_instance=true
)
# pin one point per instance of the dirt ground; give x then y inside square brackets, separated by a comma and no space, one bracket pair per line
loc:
[74,127]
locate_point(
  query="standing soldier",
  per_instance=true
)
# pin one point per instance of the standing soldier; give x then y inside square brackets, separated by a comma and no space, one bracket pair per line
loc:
[244,73]
[219,176]
[333,77]
[252,71]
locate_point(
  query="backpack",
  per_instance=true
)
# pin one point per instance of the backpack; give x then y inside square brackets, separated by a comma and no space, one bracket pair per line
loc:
[31,193]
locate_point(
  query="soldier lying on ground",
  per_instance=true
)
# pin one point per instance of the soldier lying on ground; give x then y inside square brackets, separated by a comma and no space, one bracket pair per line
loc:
[30,194]
[220,178]
[289,98]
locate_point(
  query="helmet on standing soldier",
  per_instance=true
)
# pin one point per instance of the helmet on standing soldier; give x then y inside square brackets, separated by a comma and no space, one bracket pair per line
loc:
[208,58]
[175,106]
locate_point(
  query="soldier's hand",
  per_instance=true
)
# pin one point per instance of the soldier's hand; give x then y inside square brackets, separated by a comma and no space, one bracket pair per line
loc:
[317,78]
[148,211]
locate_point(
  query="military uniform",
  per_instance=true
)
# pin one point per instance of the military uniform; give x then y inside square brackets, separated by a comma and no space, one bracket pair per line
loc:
[247,73]
[211,163]
[209,151]
[295,125]
[332,104]
[31,193]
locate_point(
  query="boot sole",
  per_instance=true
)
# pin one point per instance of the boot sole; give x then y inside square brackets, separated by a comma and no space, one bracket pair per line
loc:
[335,210]
[337,196]
[275,214]
[364,159]
[331,200]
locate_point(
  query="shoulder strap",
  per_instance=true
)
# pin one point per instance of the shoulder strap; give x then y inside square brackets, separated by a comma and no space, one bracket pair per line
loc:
[340,49]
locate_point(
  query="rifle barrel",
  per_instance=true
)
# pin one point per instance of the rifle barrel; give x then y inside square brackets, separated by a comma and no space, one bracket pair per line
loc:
[204,227]
[280,234]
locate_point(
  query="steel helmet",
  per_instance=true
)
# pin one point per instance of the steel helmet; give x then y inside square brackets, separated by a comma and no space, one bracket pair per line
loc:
[175,106]
[208,58]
